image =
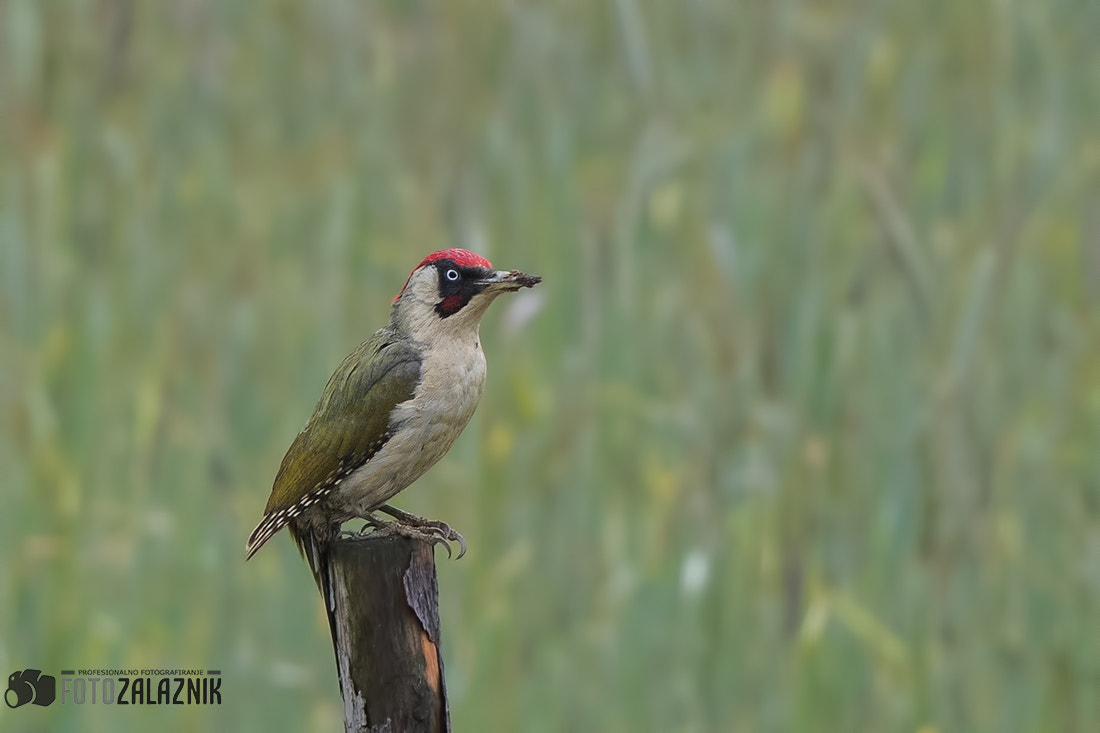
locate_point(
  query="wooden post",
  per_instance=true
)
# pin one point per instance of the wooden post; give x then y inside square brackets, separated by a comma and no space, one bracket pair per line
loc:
[385,630]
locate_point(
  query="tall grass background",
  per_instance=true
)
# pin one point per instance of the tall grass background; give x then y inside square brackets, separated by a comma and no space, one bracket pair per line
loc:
[798,434]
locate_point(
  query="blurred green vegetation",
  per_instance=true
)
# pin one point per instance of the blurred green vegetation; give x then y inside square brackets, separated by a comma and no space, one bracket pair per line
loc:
[799,433]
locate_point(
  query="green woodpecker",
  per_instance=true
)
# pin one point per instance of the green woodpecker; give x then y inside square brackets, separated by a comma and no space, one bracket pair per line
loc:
[391,409]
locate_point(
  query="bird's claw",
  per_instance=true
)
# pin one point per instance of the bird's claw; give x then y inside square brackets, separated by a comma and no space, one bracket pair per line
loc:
[414,527]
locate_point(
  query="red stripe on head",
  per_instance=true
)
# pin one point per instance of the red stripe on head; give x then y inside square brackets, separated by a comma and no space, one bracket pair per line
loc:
[462,258]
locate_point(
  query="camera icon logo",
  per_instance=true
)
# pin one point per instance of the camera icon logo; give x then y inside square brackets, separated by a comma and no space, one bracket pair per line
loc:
[30,685]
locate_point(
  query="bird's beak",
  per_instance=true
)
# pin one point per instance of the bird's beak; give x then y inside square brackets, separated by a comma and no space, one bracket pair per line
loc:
[510,280]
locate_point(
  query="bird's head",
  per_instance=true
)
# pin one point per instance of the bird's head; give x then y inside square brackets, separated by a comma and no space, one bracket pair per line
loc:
[450,290]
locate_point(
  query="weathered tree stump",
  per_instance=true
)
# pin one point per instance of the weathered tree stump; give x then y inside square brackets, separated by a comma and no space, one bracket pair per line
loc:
[384,616]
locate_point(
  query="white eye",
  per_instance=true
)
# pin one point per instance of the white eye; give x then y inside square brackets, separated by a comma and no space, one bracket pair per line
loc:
[451,275]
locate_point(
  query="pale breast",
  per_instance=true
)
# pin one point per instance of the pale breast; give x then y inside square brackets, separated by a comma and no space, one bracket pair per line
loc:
[451,382]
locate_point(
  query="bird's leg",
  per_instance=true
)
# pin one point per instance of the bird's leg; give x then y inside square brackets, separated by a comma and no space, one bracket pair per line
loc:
[410,525]
[390,529]
[373,524]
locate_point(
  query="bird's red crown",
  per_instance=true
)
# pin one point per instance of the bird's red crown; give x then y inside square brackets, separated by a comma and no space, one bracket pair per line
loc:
[462,258]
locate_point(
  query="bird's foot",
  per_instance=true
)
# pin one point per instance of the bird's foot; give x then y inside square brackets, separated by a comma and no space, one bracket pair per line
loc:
[413,527]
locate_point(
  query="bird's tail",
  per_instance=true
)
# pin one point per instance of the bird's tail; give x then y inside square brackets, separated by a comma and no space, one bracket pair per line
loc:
[315,550]
[317,553]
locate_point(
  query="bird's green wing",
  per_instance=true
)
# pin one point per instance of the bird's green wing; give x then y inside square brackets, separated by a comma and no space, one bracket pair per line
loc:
[350,423]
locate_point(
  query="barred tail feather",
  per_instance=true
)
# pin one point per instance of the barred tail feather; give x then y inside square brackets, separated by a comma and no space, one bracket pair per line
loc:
[268,526]
[273,521]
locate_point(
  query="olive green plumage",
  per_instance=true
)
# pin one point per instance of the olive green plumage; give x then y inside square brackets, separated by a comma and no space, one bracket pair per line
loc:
[349,425]
[354,411]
